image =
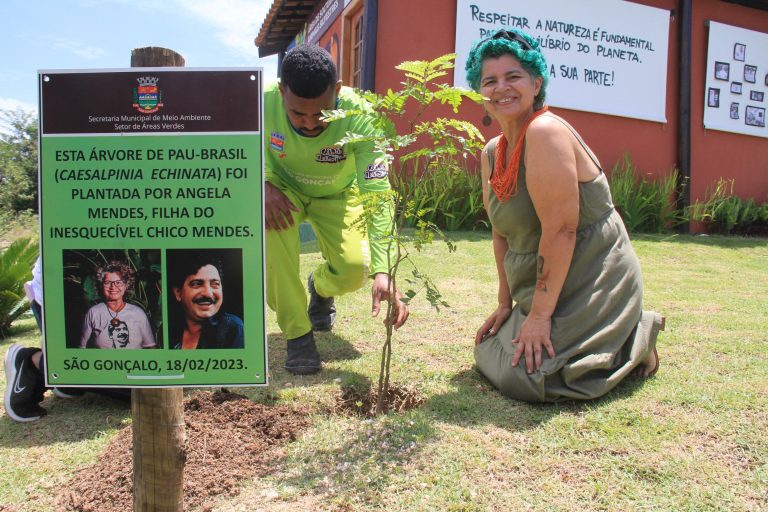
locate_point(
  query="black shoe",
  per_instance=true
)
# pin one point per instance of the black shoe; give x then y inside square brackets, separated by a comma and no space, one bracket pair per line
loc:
[303,358]
[321,310]
[24,386]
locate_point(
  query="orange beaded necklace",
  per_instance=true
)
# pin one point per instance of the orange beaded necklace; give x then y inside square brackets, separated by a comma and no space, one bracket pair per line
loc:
[504,179]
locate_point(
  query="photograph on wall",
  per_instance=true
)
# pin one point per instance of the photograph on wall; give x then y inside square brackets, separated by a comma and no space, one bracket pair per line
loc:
[750,73]
[729,44]
[754,116]
[722,70]
[205,298]
[739,52]
[713,97]
[734,110]
[112,298]
[766,79]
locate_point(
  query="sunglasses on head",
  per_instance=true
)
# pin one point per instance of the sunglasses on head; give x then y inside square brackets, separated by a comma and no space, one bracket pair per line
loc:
[511,36]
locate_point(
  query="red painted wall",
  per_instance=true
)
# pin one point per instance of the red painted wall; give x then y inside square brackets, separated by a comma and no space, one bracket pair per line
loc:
[714,153]
[407,33]
[422,30]
[331,41]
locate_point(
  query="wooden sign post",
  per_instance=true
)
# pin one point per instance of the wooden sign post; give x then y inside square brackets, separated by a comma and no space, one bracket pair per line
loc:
[158,414]
[157,176]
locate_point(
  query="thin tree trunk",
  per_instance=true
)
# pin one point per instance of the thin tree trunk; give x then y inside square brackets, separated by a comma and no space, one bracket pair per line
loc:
[386,354]
[158,414]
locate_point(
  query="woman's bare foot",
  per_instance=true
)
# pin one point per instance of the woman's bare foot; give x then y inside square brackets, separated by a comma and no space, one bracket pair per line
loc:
[648,367]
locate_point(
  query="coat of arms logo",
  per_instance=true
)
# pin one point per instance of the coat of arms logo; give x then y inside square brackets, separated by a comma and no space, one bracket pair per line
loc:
[147,97]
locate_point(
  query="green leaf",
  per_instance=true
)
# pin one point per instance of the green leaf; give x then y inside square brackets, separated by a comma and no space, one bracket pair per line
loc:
[334,115]
[16,263]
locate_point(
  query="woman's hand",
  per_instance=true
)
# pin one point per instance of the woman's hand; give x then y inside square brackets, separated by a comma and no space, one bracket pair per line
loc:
[534,334]
[494,322]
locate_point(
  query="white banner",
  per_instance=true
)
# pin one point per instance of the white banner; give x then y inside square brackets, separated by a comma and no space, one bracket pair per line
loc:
[604,56]
[736,87]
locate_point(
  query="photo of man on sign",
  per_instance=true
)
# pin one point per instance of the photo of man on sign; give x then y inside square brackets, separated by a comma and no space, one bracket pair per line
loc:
[197,298]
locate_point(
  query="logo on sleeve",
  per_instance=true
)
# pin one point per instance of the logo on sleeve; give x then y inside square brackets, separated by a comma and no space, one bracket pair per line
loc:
[376,171]
[331,155]
[277,141]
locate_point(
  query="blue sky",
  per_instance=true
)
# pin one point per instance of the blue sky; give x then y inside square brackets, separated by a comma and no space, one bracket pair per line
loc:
[100,34]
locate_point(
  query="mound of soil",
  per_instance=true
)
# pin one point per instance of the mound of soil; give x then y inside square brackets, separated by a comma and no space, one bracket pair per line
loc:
[229,439]
[363,403]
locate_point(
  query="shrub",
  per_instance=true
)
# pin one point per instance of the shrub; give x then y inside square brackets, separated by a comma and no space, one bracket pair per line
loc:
[723,212]
[15,269]
[646,206]
[452,198]
[762,213]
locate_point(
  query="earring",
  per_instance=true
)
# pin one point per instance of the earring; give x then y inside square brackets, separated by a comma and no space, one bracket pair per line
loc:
[487,119]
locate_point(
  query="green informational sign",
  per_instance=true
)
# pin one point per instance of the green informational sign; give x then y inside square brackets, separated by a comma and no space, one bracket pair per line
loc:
[152,232]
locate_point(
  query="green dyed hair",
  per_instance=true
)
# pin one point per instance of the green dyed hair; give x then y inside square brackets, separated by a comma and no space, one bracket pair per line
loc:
[532,60]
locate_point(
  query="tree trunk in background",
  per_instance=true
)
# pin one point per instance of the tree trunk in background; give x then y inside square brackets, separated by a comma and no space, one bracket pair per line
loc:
[158,414]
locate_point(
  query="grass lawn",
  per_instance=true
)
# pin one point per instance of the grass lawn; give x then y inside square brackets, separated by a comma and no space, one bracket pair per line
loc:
[692,438]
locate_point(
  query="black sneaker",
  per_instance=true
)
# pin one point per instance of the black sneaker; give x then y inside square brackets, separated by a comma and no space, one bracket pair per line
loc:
[321,310]
[24,386]
[303,358]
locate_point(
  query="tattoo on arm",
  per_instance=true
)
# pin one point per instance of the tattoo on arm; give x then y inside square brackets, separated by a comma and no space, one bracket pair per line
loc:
[541,276]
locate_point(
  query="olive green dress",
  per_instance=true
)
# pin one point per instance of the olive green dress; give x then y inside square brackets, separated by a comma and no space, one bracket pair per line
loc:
[600,332]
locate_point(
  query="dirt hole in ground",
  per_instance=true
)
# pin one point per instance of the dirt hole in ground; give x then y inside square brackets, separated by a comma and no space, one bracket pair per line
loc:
[229,439]
[363,403]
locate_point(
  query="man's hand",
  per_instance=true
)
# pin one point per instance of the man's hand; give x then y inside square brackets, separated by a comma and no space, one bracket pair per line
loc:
[382,289]
[277,208]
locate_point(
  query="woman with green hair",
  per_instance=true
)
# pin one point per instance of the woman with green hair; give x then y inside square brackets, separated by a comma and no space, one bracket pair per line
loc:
[570,323]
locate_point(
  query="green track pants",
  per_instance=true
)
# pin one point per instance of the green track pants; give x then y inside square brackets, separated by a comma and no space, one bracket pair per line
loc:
[343,246]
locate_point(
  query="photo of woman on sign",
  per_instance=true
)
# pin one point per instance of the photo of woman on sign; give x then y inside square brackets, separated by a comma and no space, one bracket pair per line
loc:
[115,323]
[112,298]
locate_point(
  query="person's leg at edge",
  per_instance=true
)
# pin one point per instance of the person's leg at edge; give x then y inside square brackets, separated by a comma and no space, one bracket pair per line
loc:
[24,388]
[37,357]
[121,394]
[37,312]
[286,294]
[344,247]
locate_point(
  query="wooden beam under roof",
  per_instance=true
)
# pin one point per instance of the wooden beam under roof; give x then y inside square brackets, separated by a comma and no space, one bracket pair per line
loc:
[284,20]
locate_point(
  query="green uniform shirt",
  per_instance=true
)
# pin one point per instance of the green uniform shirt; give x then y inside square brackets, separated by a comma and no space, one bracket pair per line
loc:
[316,167]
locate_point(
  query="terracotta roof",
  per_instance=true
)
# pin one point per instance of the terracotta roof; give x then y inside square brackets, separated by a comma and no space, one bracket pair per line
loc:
[285,19]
